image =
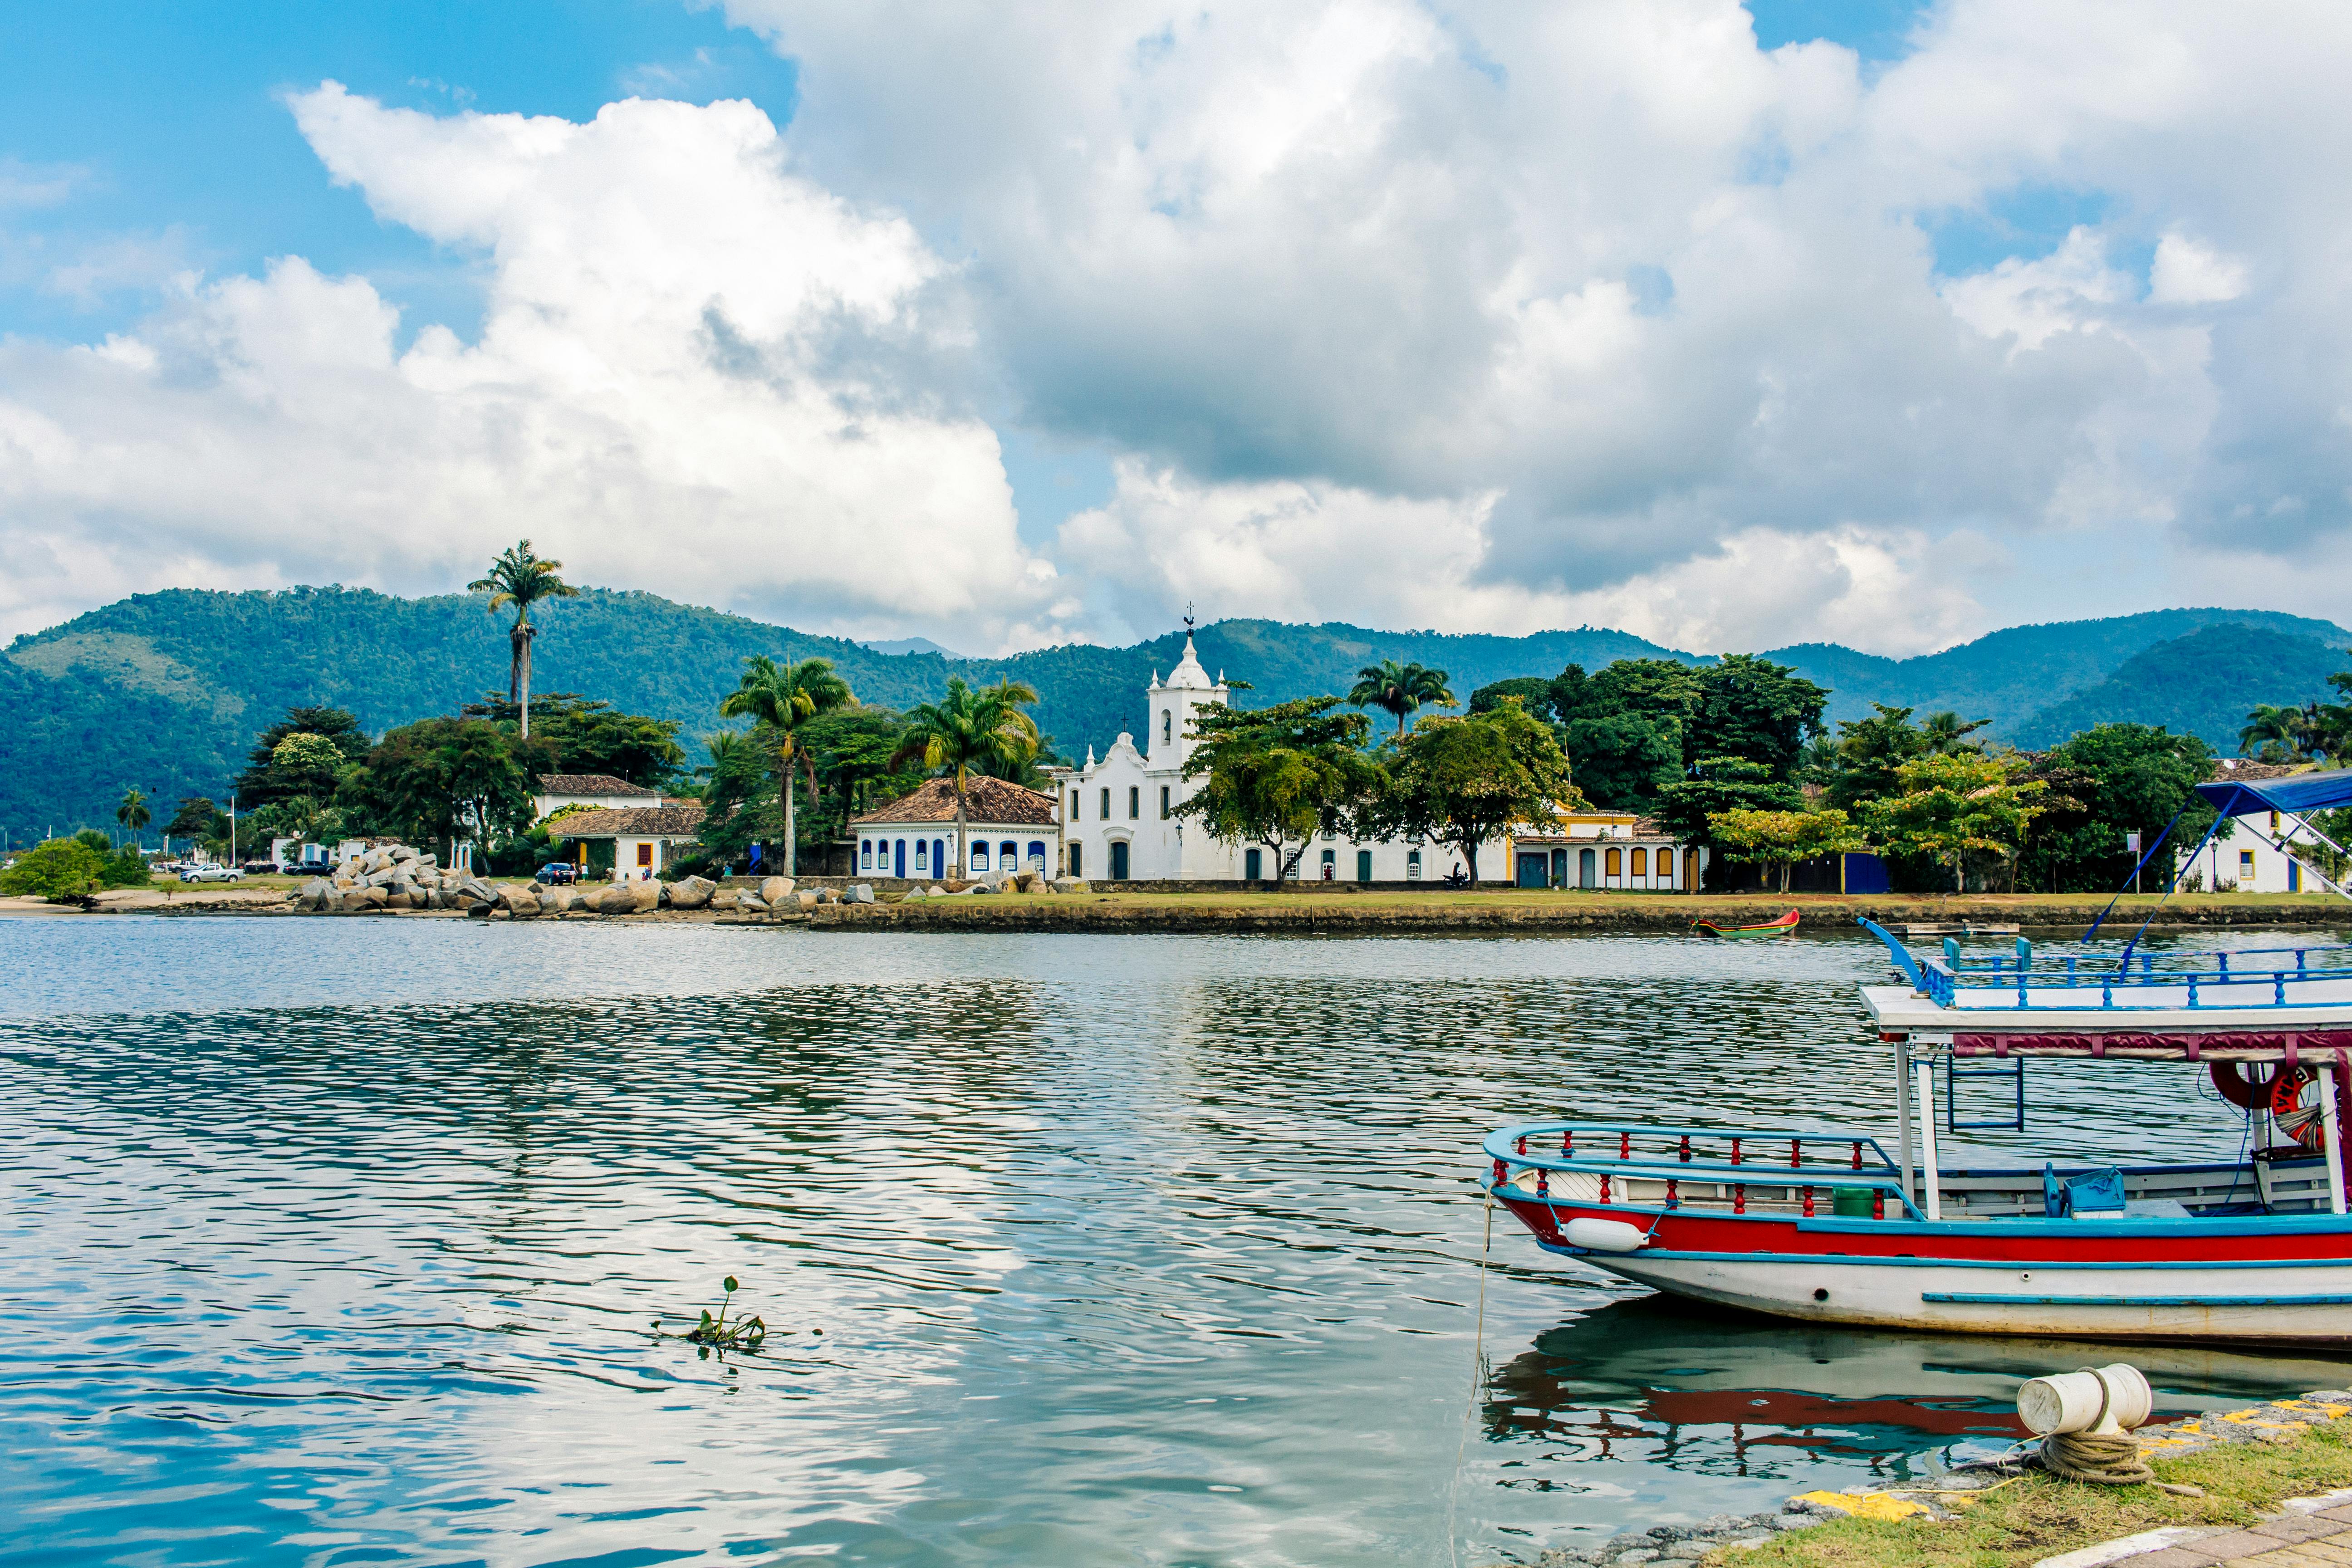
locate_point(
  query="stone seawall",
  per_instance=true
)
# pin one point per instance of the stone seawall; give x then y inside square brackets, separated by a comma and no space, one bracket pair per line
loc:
[1557,914]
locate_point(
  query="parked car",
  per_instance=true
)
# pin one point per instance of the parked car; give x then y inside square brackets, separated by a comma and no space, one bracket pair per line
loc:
[262,867]
[212,874]
[556,873]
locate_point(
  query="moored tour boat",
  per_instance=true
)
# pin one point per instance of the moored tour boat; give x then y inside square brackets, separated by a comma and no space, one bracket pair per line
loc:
[1823,1225]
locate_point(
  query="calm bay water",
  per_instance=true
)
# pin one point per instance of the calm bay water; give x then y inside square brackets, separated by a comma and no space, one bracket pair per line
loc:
[336,1241]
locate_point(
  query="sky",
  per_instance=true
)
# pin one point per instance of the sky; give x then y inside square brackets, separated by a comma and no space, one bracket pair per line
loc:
[1878,323]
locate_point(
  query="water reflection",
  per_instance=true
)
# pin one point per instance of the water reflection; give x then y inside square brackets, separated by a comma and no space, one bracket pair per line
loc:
[329,1237]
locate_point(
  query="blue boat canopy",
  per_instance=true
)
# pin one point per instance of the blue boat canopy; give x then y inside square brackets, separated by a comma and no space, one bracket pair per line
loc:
[2298,793]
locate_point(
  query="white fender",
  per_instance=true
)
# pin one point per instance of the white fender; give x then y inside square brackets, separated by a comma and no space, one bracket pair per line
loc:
[1603,1235]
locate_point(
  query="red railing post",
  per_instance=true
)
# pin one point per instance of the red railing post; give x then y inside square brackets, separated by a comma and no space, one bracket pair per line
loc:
[1674,1197]
[1857,1153]
[1543,1183]
[1685,1148]
[1735,1151]
[1523,1142]
[1498,1173]
[1625,1145]
[1796,1153]
[1809,1202]
[1568,1142]
[1604,1186]
[1878,1203]
[1739,1198]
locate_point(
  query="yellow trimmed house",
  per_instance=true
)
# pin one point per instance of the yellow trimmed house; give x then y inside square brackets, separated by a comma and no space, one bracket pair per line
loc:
[1601,849]
[634,844]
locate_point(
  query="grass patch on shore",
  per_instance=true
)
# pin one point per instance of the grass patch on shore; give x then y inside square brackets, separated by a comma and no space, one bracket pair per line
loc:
[2038,1516]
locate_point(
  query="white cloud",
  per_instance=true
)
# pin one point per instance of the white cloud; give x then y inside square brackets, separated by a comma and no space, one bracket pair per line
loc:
[2187,273]
[1587,311]
[682,383]
[1289,549]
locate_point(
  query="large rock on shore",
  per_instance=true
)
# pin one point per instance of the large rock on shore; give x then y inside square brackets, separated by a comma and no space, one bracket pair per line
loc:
[648,896]
[775,889]
[859,893]
[692,893]
[612,898]
[366,899]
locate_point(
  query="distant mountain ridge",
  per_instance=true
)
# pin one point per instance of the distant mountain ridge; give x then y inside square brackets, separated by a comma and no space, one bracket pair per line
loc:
[165,691]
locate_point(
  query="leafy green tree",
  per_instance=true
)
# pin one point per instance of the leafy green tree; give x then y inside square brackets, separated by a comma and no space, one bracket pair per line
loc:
[1622,761]
[305,765]
[442,780]
[780,699]
[575,734]
[1869,752]
[969,732]
[1400,689]
[520,578]
[132,812]
[1281,775]
[1718,785]
[2106,782]
[1533,692]
[196,818]
[1457,782]
[1955,804]
[59,868]
[1749,707]
[260,782]
[1784,839]
[97,843]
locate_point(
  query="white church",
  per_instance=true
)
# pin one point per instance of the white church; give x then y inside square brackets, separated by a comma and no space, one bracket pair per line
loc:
[1118,821]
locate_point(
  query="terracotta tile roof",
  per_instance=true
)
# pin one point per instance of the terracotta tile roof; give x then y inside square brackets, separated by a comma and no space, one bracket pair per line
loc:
[587,783]
[633,822]
[988,800]
[2240,768]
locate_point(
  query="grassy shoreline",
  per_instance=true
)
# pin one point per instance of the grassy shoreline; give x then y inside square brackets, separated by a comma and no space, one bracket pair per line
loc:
[2038,1516]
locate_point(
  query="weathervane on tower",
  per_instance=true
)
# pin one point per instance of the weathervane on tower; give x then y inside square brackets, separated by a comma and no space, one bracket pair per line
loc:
[1188,618]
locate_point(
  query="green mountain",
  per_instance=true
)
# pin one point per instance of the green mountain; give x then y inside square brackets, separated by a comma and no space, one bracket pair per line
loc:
[2201,684]
[166,690]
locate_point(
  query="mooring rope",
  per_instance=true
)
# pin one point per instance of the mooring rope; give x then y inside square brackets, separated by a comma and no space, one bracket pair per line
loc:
[2111,1460]
[1477,1385]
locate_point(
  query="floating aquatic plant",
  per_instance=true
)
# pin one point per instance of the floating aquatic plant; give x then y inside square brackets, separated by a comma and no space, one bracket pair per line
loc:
[718,1333]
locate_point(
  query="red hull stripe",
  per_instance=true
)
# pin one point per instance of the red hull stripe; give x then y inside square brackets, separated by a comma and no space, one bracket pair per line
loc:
[1971,1299]
[2155,1244]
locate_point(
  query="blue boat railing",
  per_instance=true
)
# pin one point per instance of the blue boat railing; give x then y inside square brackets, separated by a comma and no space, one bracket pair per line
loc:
[1740,1165]
[2250,977]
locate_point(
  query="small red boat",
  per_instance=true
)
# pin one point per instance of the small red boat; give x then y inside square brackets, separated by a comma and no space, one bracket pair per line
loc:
[1786,923]
[1823,1225]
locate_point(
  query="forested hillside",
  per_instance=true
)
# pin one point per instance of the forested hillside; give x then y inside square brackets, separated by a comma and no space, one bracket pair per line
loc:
[167,690]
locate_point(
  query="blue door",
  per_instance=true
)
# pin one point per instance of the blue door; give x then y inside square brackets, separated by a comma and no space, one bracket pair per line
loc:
[901,866]
[1118,862]
[1586,868]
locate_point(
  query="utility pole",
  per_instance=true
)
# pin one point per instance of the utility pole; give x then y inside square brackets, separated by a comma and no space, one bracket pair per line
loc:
[232,827]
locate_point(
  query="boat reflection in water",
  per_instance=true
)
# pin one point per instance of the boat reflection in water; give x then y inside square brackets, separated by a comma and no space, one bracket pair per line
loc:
[1656,1381]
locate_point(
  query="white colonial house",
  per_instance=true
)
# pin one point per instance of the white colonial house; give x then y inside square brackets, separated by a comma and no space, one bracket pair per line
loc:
[1603,850]
[645,839]
[1006,828]
[2258,856]
[557,790]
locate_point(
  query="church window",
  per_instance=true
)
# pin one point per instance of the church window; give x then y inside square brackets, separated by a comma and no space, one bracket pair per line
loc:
[979,854]
[1105,803]
[1413,866]
[1037,853]
[1164,803]
[866,854]
[1075,812]
[922,853]
[1008,857]
[1134,803]
[1077,860]
[1167,726]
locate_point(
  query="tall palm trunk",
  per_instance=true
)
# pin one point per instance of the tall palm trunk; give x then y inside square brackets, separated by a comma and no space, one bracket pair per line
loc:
[518,671]
[791,833]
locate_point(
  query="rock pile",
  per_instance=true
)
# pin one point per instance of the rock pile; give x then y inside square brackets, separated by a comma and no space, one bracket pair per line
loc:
[396,876]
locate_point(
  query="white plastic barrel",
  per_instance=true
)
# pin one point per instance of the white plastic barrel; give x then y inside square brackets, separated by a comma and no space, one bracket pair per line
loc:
[2113,1398]
[1604,1236]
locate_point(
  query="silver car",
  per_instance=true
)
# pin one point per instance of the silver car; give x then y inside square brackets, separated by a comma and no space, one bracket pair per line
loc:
[212,874]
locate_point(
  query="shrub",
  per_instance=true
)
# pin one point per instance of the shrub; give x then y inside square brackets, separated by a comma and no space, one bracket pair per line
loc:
[60,868]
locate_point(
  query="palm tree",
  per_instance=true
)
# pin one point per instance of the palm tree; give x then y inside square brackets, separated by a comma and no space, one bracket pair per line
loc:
[968,731]
[781,697]
[2269,725]
[1399,688]
[1945,731]
[132,812]
[522,579]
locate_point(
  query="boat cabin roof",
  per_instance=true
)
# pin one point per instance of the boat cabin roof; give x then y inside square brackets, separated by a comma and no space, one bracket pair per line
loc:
[2258,1004]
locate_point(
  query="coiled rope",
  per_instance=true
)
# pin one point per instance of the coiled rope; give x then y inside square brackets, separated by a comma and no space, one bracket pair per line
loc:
[2110,1460]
